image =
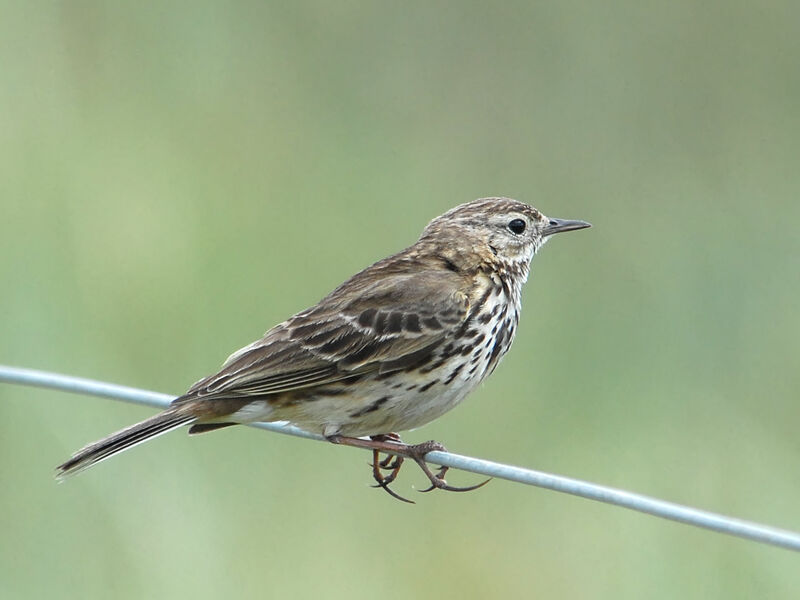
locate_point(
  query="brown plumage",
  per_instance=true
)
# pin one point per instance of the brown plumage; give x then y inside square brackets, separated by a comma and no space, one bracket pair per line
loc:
[392,348]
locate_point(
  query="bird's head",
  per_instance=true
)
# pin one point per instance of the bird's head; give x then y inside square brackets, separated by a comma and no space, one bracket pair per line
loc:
[500,229]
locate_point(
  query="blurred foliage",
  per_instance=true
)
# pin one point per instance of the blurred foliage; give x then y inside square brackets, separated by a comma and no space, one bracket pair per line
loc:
[175,178]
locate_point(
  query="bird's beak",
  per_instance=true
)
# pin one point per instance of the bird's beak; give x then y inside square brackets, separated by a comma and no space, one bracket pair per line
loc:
[561,225]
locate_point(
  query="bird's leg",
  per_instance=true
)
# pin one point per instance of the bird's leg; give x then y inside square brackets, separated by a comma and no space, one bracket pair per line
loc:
[397,450]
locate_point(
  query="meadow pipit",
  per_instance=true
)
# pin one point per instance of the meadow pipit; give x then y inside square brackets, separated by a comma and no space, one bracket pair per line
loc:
[392,348]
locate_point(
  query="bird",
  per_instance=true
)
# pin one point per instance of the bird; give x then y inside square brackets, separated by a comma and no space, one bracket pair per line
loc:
[392,348]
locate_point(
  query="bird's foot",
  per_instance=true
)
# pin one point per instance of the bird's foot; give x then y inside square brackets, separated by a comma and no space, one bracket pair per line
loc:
[417,452]
[396,451]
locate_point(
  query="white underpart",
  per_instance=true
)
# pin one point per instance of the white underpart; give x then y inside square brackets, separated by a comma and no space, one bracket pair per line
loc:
[257,410]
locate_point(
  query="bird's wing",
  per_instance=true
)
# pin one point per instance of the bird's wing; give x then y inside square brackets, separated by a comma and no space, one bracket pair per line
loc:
[366,325]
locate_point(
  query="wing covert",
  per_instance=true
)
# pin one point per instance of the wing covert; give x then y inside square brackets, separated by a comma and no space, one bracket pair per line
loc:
[363,326]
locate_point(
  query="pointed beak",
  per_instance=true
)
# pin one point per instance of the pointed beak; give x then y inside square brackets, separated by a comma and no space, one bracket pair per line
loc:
[561,225]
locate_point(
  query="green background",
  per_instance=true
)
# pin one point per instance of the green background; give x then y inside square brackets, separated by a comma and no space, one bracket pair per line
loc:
[177,178]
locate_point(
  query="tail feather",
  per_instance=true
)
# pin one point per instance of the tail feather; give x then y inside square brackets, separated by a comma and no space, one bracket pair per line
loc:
[122,440]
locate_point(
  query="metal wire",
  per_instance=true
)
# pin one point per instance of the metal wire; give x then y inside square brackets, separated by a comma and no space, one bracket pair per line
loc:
[558,483]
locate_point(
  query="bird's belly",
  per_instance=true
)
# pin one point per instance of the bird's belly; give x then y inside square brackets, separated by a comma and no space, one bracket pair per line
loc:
[397,403]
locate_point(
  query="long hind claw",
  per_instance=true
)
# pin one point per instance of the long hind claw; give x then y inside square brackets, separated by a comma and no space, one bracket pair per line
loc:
[437,480]
[443,485]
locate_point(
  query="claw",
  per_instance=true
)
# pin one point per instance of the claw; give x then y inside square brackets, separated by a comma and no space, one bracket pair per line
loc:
[439,476]
[392,493]
[450,488]
[438,482]
[383,482]
[397,451]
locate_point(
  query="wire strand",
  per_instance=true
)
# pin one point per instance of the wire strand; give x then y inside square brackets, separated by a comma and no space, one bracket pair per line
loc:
[558,483]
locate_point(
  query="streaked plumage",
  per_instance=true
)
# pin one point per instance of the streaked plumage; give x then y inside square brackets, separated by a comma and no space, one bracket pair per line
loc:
[392,348]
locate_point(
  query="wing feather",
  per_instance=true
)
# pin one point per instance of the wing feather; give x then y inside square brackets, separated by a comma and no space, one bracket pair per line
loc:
[366,325]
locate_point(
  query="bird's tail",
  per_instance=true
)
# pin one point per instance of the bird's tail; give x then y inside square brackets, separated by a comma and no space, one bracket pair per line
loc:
[129,437]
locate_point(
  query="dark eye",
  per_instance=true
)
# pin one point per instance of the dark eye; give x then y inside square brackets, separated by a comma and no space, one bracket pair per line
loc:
[517,226]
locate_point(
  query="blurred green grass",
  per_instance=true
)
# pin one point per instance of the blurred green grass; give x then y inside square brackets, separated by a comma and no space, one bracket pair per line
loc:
[176,179]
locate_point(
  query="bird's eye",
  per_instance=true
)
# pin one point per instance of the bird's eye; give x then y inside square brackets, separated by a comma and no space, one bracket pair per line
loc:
[517,226]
